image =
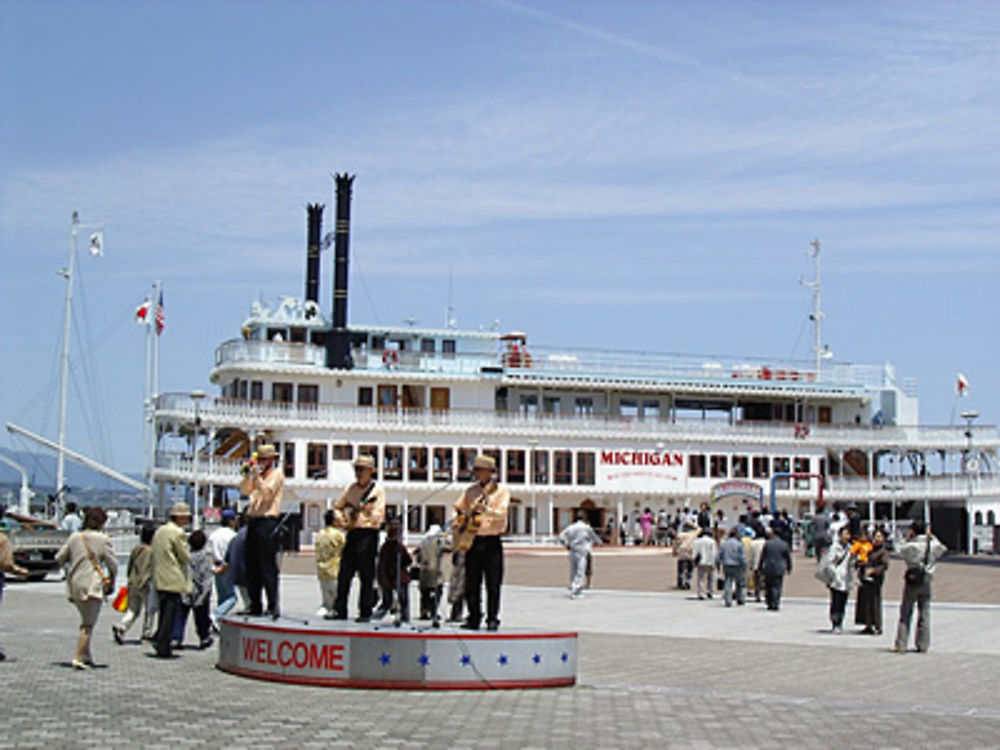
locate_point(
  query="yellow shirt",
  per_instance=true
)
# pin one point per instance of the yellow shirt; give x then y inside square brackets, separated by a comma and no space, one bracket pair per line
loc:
[371,514]
[493,521]
[170,556]
[265,493]
[329,544]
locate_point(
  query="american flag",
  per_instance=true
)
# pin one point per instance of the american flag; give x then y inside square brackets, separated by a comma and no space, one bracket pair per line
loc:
[161,320]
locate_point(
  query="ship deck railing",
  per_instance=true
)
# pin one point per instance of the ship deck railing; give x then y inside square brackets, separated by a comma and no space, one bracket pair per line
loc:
[561,363]
[234,412]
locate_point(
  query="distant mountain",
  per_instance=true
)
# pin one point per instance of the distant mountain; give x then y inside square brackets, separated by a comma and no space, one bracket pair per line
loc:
[41,468]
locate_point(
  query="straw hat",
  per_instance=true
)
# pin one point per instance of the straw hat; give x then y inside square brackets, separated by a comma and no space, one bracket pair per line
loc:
[179,510]
[485,462]
[364,462]
[267,450]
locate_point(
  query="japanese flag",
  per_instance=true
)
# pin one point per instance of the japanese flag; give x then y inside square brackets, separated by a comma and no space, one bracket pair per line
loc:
[142,313]
[962,386]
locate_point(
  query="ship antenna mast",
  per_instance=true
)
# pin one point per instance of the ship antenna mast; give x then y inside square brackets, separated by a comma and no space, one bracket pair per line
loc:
[819,353]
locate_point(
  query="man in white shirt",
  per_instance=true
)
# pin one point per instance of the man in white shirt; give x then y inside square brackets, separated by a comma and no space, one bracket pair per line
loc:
[218,544]
[580,539]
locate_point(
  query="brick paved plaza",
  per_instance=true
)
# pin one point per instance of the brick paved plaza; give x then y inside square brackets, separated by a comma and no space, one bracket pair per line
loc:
[656,669]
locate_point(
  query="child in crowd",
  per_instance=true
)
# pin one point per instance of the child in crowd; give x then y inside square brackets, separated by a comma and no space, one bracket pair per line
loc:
[140,572]
[393,557]
[329,544]
[200,597]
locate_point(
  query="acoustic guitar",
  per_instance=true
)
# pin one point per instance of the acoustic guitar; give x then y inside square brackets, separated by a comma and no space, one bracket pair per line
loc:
[467,523]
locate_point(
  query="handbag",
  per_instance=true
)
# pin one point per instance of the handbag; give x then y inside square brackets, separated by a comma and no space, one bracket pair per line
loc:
[916,575]
[107,583]
[120,602]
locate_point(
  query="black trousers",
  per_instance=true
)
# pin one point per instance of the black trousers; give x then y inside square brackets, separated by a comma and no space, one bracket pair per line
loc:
[169,606]
[838,604]
[484,559]
[772,590]
[262,563]
[358,557]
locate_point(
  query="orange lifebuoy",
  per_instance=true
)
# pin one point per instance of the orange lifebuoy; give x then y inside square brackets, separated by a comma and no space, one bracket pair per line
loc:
[390,358]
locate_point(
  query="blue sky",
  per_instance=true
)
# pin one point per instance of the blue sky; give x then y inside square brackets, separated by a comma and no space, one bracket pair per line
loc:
[641,175]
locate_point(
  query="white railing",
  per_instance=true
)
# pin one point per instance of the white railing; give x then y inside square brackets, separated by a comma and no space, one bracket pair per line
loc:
[884,489]
[228,412]
[248,351]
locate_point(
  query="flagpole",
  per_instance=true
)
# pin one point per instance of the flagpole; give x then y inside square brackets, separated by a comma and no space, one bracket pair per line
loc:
[155,373]
[147,440]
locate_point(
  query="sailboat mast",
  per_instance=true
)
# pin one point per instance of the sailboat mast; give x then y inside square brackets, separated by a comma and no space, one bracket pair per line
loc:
[817,312]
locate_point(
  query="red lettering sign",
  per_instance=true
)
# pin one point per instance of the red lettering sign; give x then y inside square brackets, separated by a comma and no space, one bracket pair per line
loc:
[301,655]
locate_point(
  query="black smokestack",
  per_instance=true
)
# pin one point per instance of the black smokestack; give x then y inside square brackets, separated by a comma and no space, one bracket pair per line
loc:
[314,233]
[338,351]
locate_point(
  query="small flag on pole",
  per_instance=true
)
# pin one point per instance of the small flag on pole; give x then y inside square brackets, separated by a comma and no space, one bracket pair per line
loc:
[962,386]
[97,244]
[161,318]
[142,316]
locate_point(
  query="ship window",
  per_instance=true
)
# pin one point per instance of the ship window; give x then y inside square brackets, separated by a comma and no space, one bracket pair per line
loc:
[418,464]
[442,464]
[651,409]
[392,462]
[378,343]
[242,388]
[781,464]
[413,518]
[740,467]
[365,395]
[256,390]
[276,334]
[465,458]
[297,335]
[427,346]
[719,466]
[289,457]
[550,404]
[761,470]
[440,399]
[585,466]
[978,518]
[515,467]
[696,465]
[435,515]
[628,407]
[540,462]
[583,406]
[316,461]
[283,392]
[563,464]
[343,452]
[448,347]
[372,451]
[991,518]
[802,467]
[529,403]
[387,396]
[308,394]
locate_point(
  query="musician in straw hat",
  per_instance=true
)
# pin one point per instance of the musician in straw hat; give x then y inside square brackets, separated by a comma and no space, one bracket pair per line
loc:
[486,502]
[362,506]
[263,482]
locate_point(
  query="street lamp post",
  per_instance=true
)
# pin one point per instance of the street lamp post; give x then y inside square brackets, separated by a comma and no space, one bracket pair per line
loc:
[971,465]
[196,396]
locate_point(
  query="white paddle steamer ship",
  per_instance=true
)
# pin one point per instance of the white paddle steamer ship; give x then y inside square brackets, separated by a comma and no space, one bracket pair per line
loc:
[610,432]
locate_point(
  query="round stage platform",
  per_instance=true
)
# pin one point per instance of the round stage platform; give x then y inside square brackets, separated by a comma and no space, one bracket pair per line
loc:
[314,651]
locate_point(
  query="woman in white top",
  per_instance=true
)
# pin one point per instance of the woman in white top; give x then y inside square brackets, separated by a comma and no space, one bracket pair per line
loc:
[87,582]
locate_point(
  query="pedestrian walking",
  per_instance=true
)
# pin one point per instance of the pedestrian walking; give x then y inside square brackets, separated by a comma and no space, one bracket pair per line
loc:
[684,554]
[7,565]
[775,561]
[920,553]
[579,538]
[140,573]
[733,562]
[171,575]
[199,599]
[72,521]
[871,575]
[329,545]
[646,526]
[92,568]
[820,532]
[705,552]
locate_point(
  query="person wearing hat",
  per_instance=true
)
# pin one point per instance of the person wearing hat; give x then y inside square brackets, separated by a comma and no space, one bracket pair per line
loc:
[485,557]
[263,482]
[329,545]
[363,507]
[170,556]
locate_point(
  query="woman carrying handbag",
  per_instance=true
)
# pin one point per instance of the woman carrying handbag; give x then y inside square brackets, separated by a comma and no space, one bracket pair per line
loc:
[91,577]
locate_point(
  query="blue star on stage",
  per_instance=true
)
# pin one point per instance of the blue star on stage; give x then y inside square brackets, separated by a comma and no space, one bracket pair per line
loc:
[424,660]
[503,660]
[537,658]
[564,657]
[385,659]
[466,660]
